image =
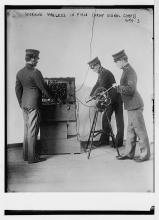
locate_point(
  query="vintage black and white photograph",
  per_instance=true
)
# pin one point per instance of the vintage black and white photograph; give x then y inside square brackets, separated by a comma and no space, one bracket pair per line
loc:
[80,99]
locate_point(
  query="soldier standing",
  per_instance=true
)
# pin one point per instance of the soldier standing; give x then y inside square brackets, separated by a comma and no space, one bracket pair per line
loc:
[106,80]
[133,103]
[29,87]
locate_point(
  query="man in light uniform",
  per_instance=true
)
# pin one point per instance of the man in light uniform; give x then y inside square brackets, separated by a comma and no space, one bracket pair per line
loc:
[133,103]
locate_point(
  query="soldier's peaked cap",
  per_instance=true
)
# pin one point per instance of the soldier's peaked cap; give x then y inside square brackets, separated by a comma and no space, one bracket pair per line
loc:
[117,56]
[94,62]
[34,53]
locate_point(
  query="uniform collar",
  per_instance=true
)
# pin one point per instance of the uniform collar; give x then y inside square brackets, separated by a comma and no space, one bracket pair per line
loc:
[100,70]
[29,66]
[126,66]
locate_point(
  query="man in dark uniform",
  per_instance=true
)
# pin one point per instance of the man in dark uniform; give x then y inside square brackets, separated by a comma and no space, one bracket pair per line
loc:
[133,103]
[106,80]
[29,87]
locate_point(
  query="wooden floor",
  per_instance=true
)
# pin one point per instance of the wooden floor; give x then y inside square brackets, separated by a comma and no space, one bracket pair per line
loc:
[75,173]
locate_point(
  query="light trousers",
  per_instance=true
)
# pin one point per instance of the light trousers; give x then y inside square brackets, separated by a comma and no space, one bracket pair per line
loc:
[31,129]
[136,128]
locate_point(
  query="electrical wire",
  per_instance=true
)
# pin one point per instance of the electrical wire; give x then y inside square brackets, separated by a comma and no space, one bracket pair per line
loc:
[79,101]
[84,104]
[78,121]
[79,137]
[90,53]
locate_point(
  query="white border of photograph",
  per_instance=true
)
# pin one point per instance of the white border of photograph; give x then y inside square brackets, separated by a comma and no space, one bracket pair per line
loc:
[80,201]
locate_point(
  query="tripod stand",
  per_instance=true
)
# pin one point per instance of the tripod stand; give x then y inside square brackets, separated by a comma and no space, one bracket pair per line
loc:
[93,133]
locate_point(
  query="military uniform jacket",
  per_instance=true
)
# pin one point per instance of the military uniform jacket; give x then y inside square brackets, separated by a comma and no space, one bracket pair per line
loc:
[106,79]
[128,88]
[29,87]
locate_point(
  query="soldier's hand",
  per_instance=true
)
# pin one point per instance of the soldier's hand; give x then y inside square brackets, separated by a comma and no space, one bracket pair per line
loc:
[119,89]
[114,85]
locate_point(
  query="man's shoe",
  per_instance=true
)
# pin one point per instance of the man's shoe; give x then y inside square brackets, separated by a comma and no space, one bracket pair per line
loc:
[124,157]
[100,143]
[97,144]
[37,160]
[25,159]
[120,146]
[139,159]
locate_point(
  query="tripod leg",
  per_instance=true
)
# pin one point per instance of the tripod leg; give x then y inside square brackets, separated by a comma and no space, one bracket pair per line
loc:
[112,136]
[91,129]
[92,132]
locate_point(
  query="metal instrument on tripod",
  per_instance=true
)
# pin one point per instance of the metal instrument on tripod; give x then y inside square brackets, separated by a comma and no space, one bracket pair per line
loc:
[102,101]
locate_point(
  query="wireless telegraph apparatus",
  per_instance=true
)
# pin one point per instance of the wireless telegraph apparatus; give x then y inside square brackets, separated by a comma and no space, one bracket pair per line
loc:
[58,132]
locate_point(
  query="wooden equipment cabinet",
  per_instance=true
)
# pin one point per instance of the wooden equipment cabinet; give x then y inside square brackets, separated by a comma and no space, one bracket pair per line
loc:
[58,133]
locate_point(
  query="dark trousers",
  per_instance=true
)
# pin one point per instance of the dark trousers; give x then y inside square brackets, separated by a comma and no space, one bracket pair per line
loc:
[31,129]
[118,109]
